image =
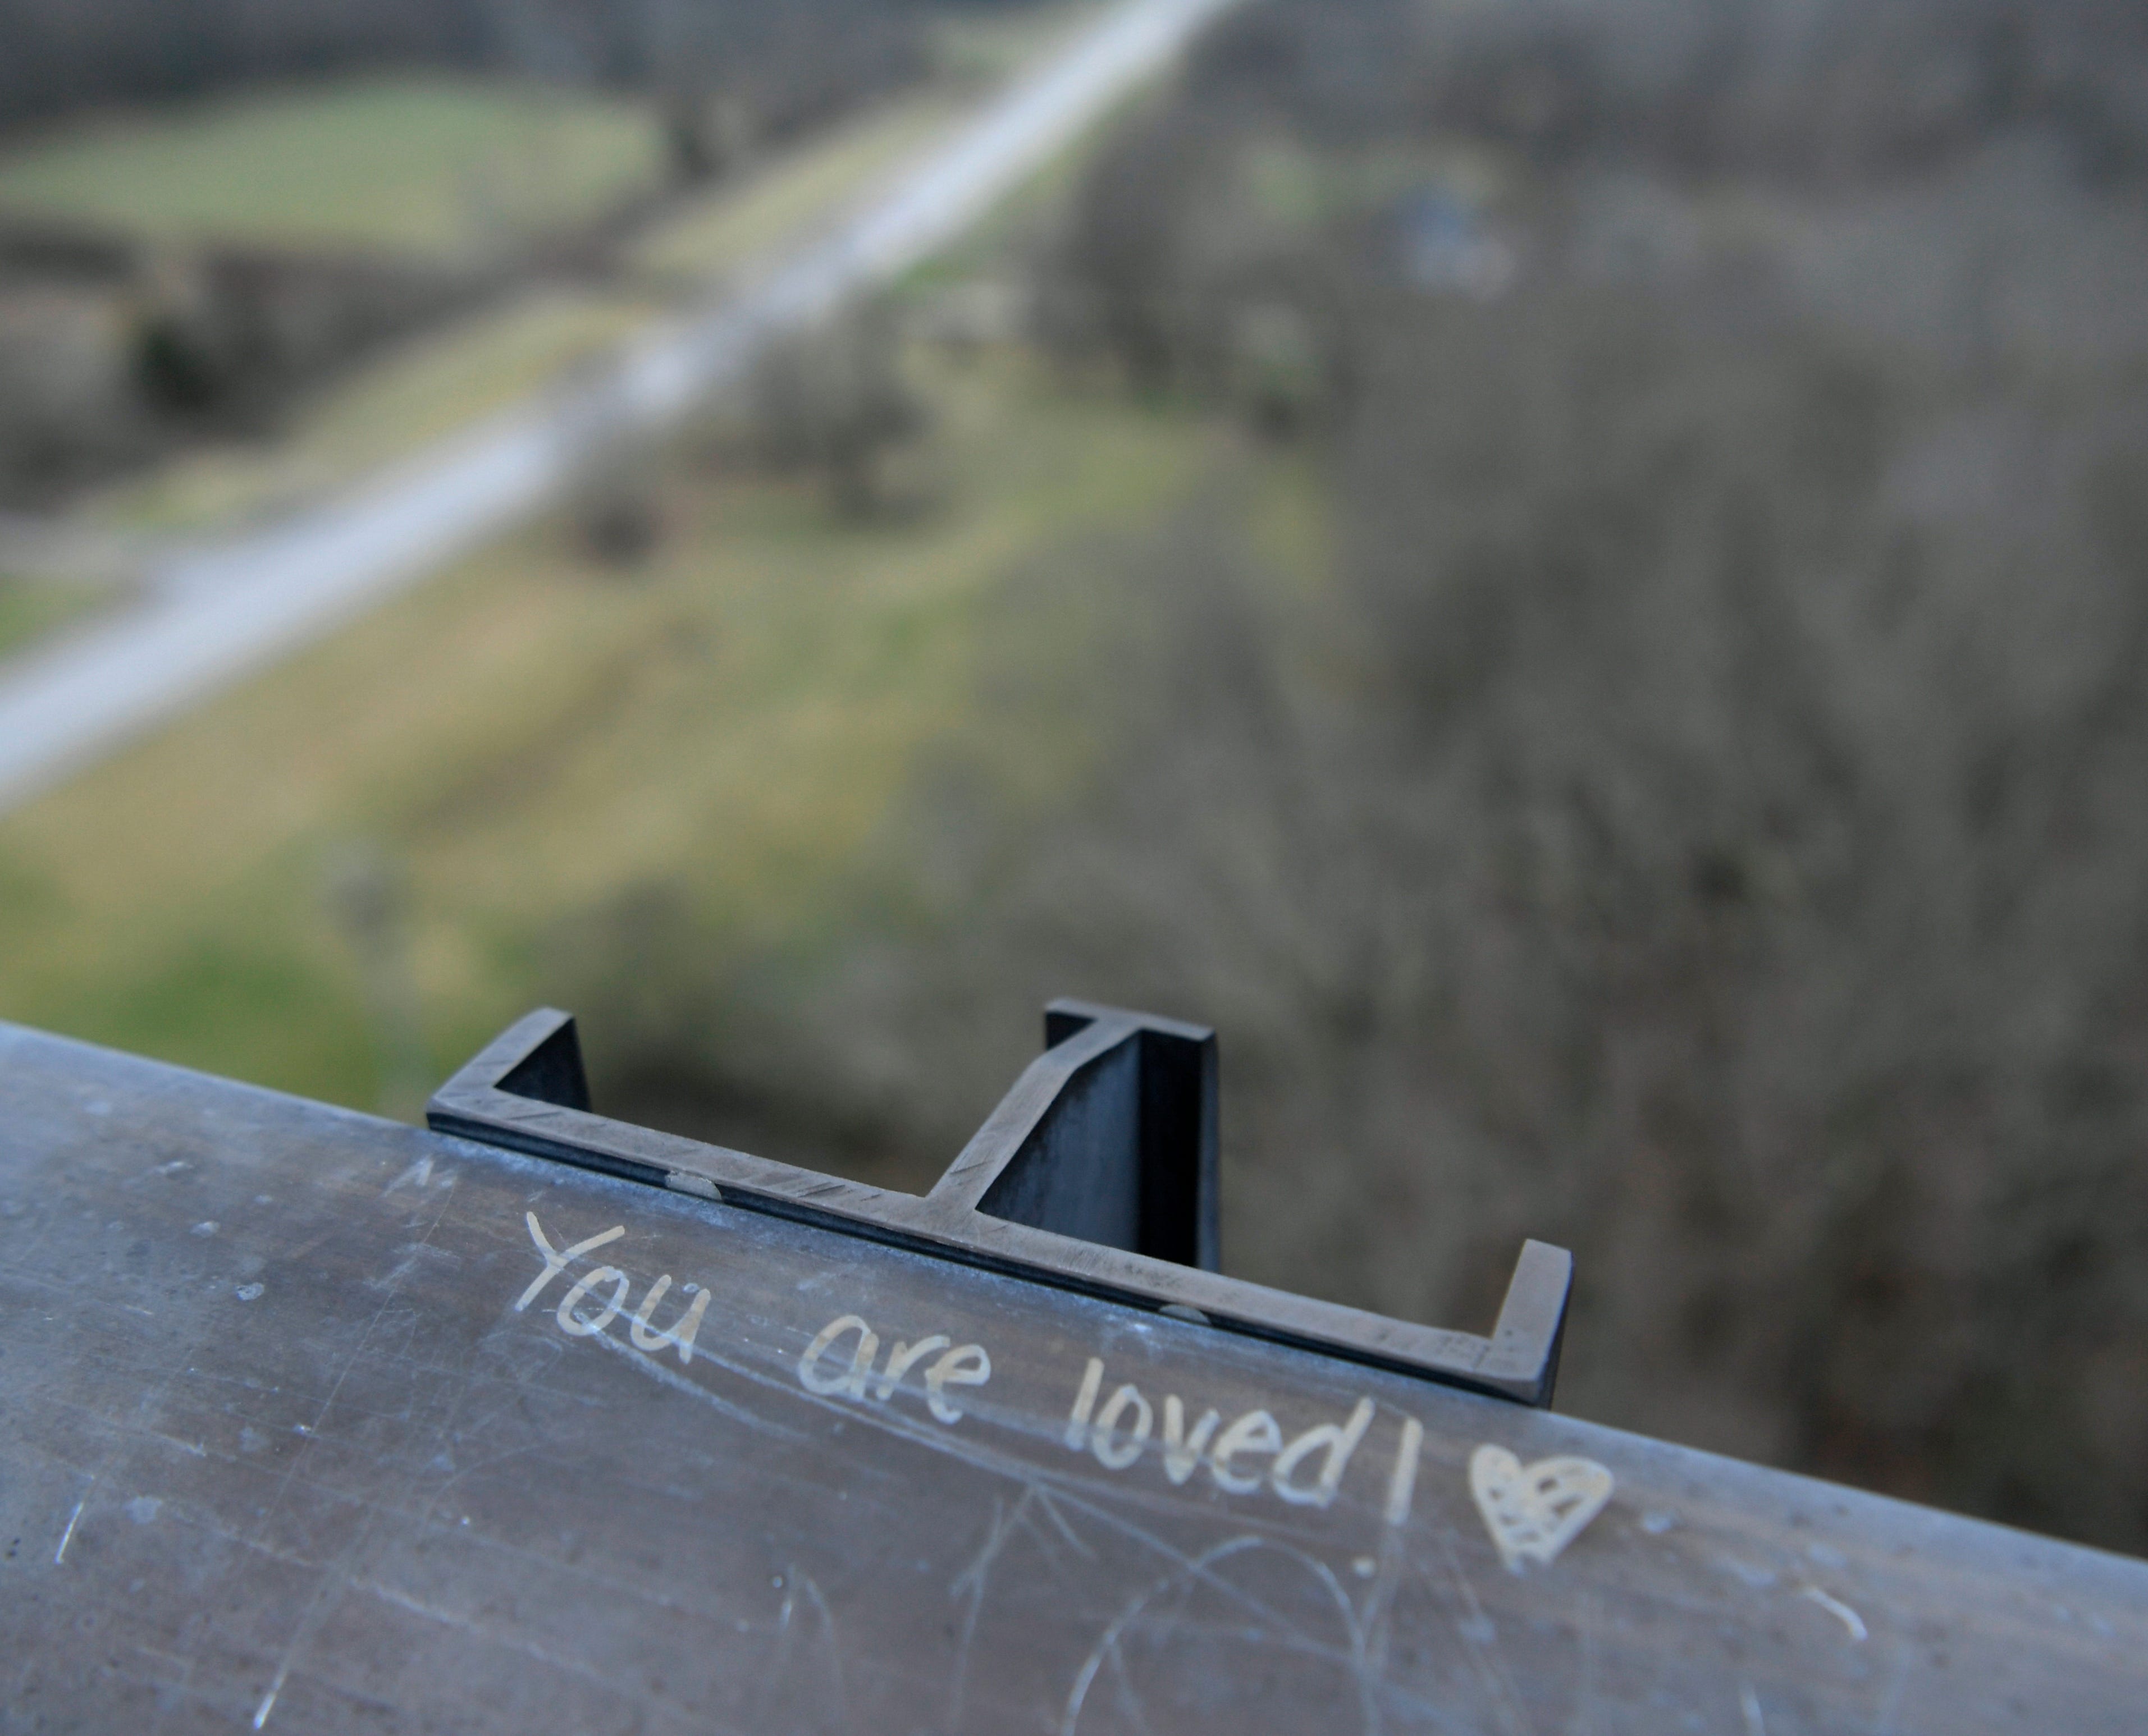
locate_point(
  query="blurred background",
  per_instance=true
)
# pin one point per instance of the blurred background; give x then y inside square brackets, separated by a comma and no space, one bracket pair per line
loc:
[1571,575]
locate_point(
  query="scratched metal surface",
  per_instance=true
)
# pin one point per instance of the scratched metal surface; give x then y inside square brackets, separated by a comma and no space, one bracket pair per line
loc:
[278,1450]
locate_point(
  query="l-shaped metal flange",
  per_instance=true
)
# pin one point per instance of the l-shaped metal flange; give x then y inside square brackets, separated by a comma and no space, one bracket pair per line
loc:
[1097,1172]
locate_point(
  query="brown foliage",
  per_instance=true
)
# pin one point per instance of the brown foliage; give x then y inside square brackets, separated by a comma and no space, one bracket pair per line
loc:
[1703,828]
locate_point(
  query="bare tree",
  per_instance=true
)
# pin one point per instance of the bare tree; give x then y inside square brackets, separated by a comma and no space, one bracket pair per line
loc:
[835,400]
[1701,825]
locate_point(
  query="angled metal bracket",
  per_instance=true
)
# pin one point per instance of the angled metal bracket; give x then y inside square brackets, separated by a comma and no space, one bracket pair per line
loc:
[1096,1173]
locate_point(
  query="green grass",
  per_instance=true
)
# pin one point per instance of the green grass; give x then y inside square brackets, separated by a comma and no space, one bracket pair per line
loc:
[527,739]
[1289,184]
[819,178]
[418,393]
[31,608]
[806,186]
[984,46]
[450,378]
[423,164]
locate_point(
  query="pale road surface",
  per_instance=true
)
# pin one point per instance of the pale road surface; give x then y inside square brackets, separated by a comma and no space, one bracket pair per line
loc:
[215,614]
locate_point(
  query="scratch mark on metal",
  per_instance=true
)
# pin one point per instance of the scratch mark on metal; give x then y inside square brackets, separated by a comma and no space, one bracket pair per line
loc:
[1886,1727]
[507,1641]
[1054,1489]
[419,1174]
[834,1639]
[1108,1642]
[1849,1618]
[1364,1655]
[183,1689]
[334,1584]
[1051,1513]
[694,1389]
[794,1581]
[1584,1699]
[1387,1576]
[66,1537]
[974,1578]
[1491,1671]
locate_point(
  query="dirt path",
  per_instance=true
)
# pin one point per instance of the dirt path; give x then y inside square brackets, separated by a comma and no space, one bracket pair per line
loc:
[215,614]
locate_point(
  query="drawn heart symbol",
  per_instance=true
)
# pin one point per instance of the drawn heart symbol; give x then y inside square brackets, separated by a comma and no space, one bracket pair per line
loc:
[1534,1511]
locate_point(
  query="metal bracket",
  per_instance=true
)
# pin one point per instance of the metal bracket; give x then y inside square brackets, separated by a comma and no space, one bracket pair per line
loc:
[1096,1173]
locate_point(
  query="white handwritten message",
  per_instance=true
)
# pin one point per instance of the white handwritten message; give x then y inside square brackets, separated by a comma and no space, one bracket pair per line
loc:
[964,1365]
[679,1336]
[1531,1512]
[1118,1435]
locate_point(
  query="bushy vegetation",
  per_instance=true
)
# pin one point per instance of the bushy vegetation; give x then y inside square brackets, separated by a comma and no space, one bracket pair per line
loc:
[1836,91]
[207,215]
[789,61]
[416,165]
[1697,819]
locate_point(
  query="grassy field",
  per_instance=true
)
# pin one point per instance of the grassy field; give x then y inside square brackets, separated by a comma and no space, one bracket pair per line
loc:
[804,188]
[421,391]
[431,164]
[421,164]
[447,379]
[450,378]
[31,608]
[982,47]
[822,178]
[528,737]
